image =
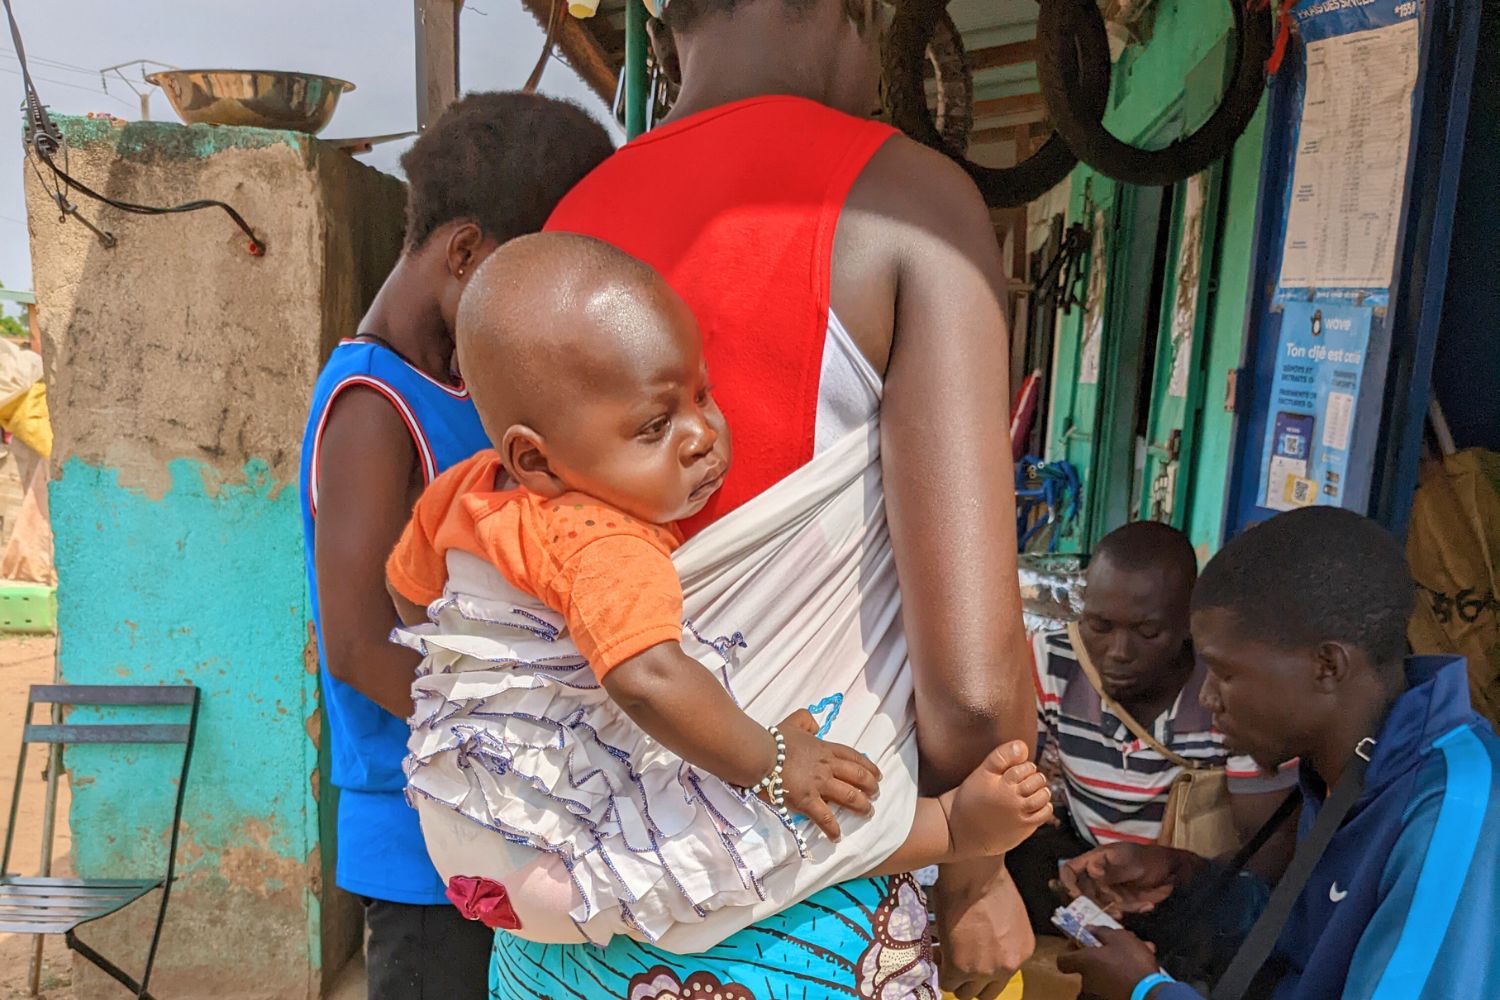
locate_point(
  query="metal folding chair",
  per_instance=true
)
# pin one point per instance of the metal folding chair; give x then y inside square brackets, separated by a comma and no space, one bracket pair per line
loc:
[46,905]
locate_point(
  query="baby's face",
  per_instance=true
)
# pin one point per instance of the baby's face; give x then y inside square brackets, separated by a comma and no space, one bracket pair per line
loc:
[650,441]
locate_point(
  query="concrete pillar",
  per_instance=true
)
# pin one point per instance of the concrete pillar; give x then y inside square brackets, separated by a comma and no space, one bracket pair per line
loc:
[179,372]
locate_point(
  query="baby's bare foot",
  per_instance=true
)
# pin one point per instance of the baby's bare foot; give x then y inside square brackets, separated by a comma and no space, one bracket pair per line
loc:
[999,804]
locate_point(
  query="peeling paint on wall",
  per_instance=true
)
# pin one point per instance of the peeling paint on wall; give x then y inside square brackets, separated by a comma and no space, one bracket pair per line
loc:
[180,370]
[166,139]
[202,585]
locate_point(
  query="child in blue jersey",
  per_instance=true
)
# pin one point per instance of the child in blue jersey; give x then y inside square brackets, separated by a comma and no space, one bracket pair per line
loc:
[1301,622]
[388,414]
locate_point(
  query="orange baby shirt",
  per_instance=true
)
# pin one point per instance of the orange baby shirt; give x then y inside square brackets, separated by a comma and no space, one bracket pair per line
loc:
[609,575]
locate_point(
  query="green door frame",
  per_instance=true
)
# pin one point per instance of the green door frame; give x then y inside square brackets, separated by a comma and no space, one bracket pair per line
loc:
[1073,425]
[1167,417]
[1162,89]
[1108,487]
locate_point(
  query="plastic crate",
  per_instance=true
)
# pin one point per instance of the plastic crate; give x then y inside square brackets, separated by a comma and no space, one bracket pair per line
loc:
[28,608]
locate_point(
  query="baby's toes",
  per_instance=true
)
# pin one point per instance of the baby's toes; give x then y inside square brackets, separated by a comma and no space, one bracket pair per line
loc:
[1007,756]
[1018,773]
[1031,784]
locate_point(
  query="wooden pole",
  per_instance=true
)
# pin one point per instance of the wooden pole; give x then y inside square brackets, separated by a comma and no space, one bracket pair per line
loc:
[437,57]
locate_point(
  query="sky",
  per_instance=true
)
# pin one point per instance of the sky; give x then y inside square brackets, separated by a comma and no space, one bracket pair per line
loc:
[368,42]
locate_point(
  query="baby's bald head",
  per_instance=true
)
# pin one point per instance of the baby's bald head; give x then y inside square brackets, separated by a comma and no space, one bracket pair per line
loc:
[552,316]
[588,374]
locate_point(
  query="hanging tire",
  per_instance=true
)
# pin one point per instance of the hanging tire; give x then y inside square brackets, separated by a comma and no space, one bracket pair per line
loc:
[949,121]
[1071,35]
[912,30]
[953,117]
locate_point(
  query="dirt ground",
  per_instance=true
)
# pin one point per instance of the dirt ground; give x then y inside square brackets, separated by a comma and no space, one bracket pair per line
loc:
[24,662]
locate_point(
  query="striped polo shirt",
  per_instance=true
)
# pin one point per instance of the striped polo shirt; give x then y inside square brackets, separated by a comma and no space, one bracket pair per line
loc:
[1117,785]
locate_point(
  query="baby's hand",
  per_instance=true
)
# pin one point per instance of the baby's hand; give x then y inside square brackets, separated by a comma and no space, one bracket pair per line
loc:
[999,805]
[818,774]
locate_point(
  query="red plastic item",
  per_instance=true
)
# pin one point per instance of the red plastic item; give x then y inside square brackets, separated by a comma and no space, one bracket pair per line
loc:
[484,900]
[1023,414]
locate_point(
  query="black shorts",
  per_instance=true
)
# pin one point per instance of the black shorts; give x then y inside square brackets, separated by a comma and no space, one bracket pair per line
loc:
[425,953]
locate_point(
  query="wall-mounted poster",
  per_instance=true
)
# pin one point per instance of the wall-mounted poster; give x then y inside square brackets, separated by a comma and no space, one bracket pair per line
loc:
[1319,365]
[1352,147]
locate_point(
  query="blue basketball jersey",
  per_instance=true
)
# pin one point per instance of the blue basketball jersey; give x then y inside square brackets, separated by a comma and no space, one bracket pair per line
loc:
[380,850]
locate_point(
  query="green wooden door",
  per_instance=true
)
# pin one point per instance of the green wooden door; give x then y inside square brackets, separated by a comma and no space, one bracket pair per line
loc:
[1099,380]
[1133,310]
[1077,371]
[1177,383]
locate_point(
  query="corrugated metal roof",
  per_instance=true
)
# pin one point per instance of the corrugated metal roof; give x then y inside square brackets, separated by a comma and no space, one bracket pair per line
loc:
[997,35]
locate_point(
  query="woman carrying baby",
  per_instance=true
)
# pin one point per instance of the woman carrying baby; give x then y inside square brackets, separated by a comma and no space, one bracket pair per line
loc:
[843,277]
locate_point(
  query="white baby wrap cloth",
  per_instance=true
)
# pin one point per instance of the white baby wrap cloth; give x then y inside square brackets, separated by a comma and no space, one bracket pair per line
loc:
[524,772]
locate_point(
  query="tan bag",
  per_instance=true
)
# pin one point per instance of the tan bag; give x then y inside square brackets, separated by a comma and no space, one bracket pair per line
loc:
[1453,546]
[1198,815]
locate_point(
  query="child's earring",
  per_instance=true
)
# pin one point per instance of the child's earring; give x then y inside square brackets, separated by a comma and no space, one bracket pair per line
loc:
[460,272]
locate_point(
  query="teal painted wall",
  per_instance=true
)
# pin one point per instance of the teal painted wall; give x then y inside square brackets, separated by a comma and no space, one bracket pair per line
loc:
[165,140]
[1149,78]
[202,585]
[1207,497]
[1161,89]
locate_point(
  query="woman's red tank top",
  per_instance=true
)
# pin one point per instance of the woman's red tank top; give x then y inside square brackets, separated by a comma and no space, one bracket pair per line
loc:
[737,208]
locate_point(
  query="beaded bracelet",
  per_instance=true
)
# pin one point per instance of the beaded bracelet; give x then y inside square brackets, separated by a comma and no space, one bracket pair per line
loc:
[771,783]
[775,791]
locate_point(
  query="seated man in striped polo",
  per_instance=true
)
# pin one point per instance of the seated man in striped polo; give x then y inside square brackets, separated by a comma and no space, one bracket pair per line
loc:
[1135,629]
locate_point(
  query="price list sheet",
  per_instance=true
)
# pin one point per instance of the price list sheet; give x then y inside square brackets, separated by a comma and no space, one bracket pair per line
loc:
[1350,171]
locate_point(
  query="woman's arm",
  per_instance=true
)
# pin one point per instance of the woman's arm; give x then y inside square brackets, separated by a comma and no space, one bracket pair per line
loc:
[364,500]
[915,230]
[945,451]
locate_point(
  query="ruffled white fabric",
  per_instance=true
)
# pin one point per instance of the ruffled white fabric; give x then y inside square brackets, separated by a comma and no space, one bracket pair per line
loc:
[525,773]
[526,743]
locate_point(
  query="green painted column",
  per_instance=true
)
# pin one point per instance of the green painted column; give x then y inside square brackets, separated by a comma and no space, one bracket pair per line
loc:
[635,68]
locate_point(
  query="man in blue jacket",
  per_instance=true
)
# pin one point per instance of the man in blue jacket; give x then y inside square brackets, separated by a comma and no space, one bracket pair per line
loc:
[1301,622]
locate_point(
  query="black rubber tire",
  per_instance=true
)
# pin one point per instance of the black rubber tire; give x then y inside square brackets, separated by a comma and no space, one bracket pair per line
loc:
[954,115]
[907,41]
[1071,34]
[947,126]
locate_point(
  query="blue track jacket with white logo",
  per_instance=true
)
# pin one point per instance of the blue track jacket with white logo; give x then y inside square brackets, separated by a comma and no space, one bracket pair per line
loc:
[1404,903]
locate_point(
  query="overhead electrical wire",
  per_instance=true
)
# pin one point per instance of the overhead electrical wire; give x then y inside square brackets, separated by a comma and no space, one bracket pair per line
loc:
[55,65]
[96,91]
[45,142]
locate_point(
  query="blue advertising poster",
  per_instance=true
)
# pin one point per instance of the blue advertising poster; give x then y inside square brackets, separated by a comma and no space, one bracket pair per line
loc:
[1320,362]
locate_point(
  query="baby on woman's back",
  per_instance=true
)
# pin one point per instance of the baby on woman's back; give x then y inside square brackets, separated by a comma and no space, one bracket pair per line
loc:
[589,375]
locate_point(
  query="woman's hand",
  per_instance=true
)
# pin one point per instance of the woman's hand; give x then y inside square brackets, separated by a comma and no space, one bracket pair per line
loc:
[982,929]
[1111,971]
[818,775]
[1128,878]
